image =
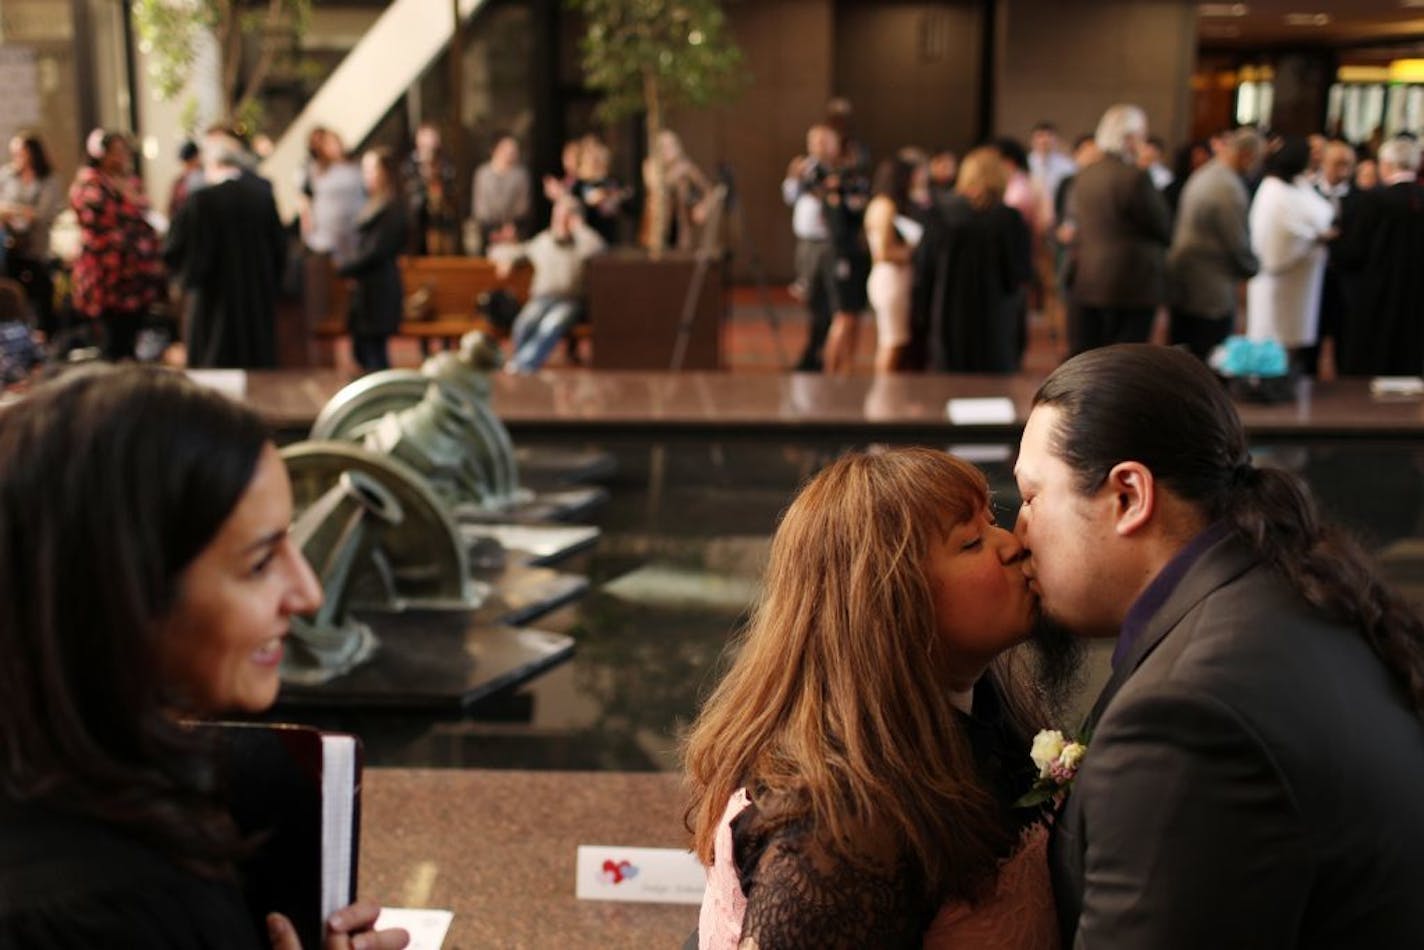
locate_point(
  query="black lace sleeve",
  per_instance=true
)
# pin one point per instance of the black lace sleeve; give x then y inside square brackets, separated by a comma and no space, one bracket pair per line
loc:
[799,896]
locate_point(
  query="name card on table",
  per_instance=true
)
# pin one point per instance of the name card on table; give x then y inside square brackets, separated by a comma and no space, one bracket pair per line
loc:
[1397,386]
[639,875]
[229,382]
[427,928]
[990,411]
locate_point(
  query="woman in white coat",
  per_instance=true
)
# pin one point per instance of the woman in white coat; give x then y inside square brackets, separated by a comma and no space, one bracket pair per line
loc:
[1290,223]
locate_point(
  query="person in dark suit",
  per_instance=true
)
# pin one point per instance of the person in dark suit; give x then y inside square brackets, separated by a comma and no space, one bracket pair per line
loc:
[228,245]
[1379,252]
[377,298]
[1123,229]
[1255,764]
[977,267]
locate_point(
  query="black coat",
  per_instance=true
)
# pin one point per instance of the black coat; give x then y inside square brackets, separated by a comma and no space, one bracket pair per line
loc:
[1381,256]
[1252,779]
[971,268]
[377,299]
[228,246]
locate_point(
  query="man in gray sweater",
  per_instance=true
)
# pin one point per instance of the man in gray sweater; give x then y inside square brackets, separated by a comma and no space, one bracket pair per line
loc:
[1211,247]
[555,302]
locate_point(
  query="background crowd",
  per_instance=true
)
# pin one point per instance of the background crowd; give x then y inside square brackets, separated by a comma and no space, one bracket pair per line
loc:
[1308,242]
[949,258]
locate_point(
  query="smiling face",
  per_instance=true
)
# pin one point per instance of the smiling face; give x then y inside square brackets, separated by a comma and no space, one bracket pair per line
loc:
[982,601]
[222,641]
[1068,535]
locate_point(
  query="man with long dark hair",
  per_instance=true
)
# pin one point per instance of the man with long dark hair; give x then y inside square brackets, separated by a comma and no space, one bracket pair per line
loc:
[1256,761]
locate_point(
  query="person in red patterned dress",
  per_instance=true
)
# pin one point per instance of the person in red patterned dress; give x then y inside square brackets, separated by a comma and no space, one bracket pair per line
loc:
[118,275]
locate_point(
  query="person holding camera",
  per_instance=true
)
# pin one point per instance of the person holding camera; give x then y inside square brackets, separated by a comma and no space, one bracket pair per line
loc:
[827,206]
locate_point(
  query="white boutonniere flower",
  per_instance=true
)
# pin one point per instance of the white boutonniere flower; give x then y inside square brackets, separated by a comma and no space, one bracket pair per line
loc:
[1057,759]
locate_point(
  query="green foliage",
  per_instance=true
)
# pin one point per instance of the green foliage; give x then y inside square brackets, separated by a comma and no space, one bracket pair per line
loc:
[169,32]
[676,52]
[166,31]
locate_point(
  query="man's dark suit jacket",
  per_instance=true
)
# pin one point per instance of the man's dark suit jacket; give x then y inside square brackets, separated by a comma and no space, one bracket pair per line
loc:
[1124,228]
[1254,778]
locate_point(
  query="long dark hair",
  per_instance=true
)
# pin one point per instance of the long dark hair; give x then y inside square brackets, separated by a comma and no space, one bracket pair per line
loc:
[112,481]
[34,148]
[892,179]
[1162,407]
[1290,160]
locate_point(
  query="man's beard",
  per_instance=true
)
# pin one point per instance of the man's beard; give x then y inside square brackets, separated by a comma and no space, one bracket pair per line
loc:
[1059,660]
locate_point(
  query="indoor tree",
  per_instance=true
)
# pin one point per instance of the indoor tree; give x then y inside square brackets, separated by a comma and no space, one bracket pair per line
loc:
[172,32]
[647,56]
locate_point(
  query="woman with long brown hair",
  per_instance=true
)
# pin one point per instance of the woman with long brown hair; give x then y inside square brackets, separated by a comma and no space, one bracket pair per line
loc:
[851,777]
[30,198]
[373,312]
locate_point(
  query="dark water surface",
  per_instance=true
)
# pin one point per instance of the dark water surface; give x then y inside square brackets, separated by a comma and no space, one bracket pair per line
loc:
[685,535]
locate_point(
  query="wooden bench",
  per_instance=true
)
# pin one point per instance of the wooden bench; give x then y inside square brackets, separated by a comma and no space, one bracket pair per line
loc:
[454,284]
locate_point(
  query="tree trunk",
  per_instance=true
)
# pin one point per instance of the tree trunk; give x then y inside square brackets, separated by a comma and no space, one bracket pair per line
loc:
[656,183]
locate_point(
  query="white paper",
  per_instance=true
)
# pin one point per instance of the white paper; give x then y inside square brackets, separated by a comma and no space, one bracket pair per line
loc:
[910,229]
[1397,386]
[993,410]
[639,875]
[338,820]
[427,928]
[229,382]
[987,454]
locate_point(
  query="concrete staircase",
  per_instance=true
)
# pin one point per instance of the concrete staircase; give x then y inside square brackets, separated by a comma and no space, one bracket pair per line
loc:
[391,56]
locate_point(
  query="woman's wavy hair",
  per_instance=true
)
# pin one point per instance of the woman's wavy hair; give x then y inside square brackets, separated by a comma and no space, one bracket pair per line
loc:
[1162,407]
[111,482]
[836,709]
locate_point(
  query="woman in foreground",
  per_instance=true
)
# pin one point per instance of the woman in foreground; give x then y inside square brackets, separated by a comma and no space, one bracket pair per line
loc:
[852,775]
[149,580]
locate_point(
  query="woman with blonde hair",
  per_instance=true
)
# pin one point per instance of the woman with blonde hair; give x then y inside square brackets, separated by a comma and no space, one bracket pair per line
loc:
[851,776]
[598,192]
[977,269]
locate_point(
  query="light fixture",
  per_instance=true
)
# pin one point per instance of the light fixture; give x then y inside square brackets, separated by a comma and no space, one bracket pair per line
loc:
[1407,71]
[1225,9]
[1364,74]
[1307,19]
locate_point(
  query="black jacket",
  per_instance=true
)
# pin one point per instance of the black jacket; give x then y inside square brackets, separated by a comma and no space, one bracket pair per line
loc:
[377,300]
[1252,779]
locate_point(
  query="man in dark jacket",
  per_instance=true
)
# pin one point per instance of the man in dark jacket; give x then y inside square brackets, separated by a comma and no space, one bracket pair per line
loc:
[1123,229]
[1255,763]
[227,246]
